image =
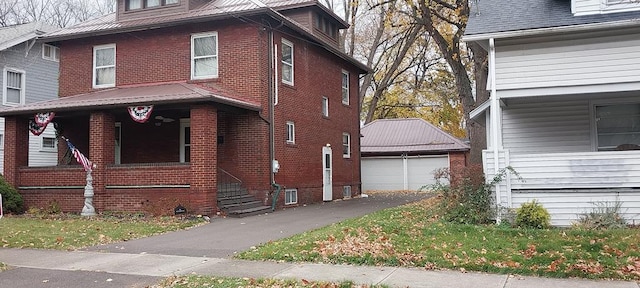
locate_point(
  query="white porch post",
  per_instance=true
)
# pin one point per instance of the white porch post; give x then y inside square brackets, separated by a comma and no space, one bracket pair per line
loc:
[496,119]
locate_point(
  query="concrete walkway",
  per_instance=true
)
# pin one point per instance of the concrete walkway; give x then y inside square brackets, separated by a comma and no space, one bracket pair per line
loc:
[47,268]
[205,250]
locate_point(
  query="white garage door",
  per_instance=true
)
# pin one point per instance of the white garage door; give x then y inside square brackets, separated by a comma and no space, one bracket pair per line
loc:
[420,170]
[389,173]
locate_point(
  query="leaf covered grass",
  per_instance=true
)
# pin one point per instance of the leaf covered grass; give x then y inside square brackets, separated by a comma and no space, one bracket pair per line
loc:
[413,236]
[194,281]
[69,232]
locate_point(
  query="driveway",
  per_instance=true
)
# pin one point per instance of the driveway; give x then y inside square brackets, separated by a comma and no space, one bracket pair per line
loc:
[225,236]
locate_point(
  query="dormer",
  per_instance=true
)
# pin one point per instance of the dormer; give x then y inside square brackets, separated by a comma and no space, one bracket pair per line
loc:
[319,20]
[591,7]
[136,9]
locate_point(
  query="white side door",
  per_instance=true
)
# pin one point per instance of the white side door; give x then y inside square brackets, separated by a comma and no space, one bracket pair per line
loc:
[327,183]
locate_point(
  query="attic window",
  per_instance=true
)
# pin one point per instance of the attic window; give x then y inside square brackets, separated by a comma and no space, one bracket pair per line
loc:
[143,4]
[325,25]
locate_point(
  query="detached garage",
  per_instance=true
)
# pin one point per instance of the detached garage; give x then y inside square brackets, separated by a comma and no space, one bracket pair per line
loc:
[402,154]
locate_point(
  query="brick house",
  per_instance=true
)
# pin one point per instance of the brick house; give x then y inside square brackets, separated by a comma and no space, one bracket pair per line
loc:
[222,116]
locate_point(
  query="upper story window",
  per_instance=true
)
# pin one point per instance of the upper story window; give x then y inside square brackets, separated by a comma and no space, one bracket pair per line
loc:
[13,90]
[49,144]
[287,62]
[204,55]
[142,4]
[345,87]
[50,52]
[104,66]
[325,25]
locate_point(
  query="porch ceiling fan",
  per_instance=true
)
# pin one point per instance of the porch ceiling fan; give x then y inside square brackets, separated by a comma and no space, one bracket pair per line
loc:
[164,119]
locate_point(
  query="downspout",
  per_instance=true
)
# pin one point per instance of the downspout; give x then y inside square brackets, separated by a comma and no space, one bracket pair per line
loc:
[495,119]
[272,94]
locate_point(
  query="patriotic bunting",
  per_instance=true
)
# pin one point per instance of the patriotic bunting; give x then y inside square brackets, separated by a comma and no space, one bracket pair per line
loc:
[140,114]
[43,119]
[35,128]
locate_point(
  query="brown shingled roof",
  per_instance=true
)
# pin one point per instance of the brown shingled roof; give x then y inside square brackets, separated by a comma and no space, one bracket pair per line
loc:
[410,135]
[162,93]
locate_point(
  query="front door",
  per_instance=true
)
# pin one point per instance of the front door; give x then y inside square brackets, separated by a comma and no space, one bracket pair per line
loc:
[327,191]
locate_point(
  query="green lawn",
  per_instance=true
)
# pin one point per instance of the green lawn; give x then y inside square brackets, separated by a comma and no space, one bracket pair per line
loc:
[412,236]
[223,282]
[69,232]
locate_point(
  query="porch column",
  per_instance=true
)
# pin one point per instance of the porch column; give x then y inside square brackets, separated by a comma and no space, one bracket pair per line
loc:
[101,152]
[16,148]
[204,159]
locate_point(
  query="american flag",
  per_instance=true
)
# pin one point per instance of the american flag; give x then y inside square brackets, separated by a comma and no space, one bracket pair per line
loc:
[83,160]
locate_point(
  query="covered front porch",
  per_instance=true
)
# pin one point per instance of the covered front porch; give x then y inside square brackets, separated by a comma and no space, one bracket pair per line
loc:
[193,142]
[571,153]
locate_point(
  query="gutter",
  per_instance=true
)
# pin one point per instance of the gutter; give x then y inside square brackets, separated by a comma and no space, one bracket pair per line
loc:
[553,30]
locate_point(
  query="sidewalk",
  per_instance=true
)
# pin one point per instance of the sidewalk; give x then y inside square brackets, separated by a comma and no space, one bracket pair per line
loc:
[82,268]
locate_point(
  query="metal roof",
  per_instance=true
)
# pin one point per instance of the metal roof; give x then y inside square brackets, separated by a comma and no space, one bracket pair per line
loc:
[492,16]
[16,34]
[163,93]
[407,136]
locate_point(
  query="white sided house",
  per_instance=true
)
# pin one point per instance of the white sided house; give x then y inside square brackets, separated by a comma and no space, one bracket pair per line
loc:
[564,110]
[29,74]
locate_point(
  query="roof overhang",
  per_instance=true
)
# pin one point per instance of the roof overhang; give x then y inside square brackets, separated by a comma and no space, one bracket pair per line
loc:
[552,30]
[479,111]
[156,94]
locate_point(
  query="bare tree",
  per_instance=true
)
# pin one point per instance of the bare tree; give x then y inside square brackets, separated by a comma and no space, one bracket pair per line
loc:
[59,13]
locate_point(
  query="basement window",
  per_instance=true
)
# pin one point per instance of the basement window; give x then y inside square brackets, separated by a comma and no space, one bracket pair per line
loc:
[346,191]
[290,196]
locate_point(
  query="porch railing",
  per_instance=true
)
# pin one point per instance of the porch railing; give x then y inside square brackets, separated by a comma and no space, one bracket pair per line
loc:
[576,170]
[229,185]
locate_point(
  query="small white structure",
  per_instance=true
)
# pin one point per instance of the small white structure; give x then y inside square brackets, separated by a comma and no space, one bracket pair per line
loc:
[564,111]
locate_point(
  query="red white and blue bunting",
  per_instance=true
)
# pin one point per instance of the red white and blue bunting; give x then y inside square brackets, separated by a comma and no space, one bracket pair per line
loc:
[140,114]
[40,122]
[43,119]
[35,128]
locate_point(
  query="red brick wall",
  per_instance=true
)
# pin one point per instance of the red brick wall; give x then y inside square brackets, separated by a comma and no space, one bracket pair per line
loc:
[162,55]
[317,74]
[16,148]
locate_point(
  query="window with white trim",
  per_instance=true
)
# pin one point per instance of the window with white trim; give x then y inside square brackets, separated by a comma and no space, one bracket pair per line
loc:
[617,126]
[49,144]
[287,62]
[345,87]
[346,191]
[143,4]
[13,87]
[104,66]
[50,52]
[290,196]
[325,106]
[291,132]
[204,55]
[185,140]
[346,145]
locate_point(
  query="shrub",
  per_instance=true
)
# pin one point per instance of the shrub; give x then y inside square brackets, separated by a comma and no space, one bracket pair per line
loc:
[11,199]
[605,215]
[465,196]
[532,215]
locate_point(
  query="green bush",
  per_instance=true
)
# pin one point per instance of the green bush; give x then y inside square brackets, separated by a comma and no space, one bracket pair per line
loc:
[605,215]
[533,215]
[465,197]
[11,199]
